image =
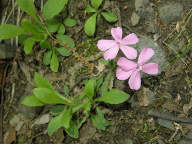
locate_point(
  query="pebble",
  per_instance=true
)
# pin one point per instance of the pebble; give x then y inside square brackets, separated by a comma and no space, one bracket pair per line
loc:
[6,51]
[170,12]
[135,19]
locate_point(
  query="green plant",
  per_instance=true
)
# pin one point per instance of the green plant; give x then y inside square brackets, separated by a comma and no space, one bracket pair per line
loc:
[43,30]
[70,112]
[93,7]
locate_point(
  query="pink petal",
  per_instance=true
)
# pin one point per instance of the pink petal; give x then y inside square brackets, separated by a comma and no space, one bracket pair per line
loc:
[150,68]
[145,55]
[111,53]
[117,33]
[130,39]
[123,75]
[129,52]
[104,45]
[135,80]
[126,64]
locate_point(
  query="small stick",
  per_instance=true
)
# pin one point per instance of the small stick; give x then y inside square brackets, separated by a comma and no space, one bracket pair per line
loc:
[168,117]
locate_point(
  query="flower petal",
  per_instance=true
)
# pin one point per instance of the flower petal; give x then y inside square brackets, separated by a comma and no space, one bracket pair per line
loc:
[129,52]
[150,68]
[126,64]
[117,33]
[123,75]
[135,80]
[111,53]
[104,45]
[145,55]
[130,39]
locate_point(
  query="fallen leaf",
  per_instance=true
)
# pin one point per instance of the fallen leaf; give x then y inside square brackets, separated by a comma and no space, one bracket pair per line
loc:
[10,136]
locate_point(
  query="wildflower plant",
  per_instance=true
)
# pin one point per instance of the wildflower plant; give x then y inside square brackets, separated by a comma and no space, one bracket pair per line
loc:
[42,30]
[128,69]
[132,70]
[111,47]
[70,112]
[94,9]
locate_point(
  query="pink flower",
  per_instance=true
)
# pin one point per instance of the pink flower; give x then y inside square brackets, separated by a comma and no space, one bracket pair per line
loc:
[111,47]
[133,69]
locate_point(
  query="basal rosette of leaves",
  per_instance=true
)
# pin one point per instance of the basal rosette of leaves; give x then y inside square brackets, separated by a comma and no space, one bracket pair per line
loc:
[70,112]
[42,30]
[95,10]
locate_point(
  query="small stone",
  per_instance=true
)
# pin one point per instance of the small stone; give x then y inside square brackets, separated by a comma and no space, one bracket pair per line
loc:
[170,13]
[135,19]
[42,120]
[151,27]
[146,97]
[17,122]
[144,9]
[6,51]
[166,123]
[141,4]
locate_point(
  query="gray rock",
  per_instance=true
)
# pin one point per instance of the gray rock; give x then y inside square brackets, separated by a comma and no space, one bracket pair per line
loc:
[135,19]
[170,13]
[17,121]
[144,9]
[141,4]
[166,123]
[159,57]
[187,138]
[151,27]
[6,51]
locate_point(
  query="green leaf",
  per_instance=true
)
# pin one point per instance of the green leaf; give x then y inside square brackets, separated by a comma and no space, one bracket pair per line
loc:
[90,9]
[41,82]
[45,44]
[106,84]
[63,51]
[47,57]
[28,45]
[87,107]
[29,27]
[99,120]
[31,101]
[53,7]
[67,114]
[90,25]
[66,90]
[96,3]
[57,109]
[22,38]
[49,96]
[54,65]
[90,88]
[9,31]
[61,29]
[110,17]
[28,7]
[55,124]
[103,61]
[70,22]
[73,130]
[53,25]
[66,40]
[114,97]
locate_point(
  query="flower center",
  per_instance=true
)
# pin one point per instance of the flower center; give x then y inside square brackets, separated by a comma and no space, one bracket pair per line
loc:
[139,67]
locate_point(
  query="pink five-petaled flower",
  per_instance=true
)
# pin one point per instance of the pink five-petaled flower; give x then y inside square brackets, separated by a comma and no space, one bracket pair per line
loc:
[132,69]
[111,47]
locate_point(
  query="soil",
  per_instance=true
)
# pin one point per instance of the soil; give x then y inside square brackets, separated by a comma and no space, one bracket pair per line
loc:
[169,93]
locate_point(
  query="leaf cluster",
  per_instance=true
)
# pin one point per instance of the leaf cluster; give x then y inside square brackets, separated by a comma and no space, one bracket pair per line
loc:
[70,112]
[91,22]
